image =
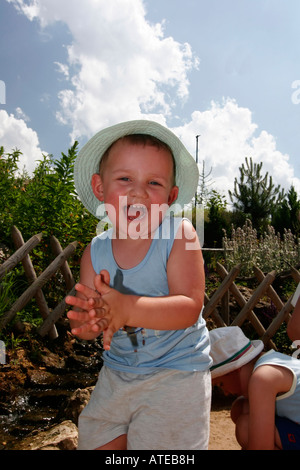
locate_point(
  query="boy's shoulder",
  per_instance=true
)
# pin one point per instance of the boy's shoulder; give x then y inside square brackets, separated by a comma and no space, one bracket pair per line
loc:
[272,361]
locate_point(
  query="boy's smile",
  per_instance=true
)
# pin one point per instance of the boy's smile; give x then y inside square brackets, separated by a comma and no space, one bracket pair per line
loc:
[136,185]
[136,212]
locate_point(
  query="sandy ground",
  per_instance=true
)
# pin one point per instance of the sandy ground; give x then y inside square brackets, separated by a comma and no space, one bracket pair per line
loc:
[222,429]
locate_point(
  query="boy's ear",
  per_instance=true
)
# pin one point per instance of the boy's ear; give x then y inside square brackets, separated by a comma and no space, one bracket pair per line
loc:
[97,186]
[173,195]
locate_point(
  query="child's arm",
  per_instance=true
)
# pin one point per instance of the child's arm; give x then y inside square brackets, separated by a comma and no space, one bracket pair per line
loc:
[179,310]
[82,323]
[265,384]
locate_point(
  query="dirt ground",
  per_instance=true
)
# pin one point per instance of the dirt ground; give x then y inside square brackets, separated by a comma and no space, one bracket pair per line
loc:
[222,435]
[222,429]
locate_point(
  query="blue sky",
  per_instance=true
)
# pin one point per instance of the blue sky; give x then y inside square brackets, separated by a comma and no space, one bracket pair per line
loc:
[223,69]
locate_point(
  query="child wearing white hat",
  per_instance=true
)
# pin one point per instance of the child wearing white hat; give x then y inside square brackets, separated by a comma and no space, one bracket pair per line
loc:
[142,287]
[267,410]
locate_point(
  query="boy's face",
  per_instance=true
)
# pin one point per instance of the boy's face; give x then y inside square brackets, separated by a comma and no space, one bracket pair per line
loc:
[136,185]
[229,383]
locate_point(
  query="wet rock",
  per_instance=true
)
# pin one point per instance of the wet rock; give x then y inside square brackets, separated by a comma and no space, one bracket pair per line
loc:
[44,384]
[33,418]
[41,378]
[75,404]
[52,360]
[63,436]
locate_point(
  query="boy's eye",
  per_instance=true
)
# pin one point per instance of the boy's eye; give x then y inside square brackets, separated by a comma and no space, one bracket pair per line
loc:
[124,178]
[155,183]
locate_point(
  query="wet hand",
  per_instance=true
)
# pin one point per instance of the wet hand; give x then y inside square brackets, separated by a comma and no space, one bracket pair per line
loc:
[113,309]
[87,313]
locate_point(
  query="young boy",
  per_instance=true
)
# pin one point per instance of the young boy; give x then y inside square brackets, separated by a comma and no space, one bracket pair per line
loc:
[142,285]
[267,410]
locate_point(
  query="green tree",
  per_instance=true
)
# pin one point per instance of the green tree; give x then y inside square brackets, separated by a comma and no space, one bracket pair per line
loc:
[287,214]
[12,186]
[255,195]
[204,182]
[217,219]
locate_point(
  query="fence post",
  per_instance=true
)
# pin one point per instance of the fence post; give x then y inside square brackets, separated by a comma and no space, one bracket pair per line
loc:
[37,284]
[242,302]
[65,269]
[14,259]
[54,315]
[210,306]
[254,299]
[31,276]
[270,291]
[214,314]
[280,318]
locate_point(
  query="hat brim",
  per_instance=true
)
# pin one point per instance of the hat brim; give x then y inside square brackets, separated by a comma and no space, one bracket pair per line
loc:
[89,157]
[256,347]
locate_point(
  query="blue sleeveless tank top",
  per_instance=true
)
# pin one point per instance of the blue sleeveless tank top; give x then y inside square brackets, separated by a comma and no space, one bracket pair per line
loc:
[144,350]
[288,404]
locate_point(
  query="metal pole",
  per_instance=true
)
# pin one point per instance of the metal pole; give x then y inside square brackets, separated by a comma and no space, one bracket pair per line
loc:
[197,137]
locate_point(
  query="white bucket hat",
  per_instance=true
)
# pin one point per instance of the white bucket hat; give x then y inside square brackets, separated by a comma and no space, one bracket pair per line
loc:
[231,349]
[88,159]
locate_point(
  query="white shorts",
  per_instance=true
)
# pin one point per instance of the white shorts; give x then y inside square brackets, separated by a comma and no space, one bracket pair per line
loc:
[167,410]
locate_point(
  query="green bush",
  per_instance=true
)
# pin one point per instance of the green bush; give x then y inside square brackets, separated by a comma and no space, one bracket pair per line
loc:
[268,252]
[46,202]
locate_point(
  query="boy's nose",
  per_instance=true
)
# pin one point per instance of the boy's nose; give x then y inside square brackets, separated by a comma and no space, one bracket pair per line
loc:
[138,190]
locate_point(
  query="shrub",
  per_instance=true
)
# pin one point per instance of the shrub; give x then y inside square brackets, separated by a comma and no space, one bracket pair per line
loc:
[268,252]
[44,202]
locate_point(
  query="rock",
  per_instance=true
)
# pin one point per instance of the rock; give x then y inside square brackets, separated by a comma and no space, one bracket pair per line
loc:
[41,378]
[51,360]
[76,403]
[63,436]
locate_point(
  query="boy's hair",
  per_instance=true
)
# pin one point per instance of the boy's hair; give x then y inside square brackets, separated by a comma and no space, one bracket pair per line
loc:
[140,139]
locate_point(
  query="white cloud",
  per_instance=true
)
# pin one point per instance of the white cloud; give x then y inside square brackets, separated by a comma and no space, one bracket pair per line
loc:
[21,115]
[24,139]
[228,136]
[120,66]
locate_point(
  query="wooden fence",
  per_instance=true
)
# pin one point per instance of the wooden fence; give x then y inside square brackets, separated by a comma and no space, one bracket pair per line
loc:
[36,283]
[216,308]
[221,315]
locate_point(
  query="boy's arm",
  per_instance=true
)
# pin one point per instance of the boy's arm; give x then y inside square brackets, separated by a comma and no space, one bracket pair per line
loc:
[265,384]
[186,280]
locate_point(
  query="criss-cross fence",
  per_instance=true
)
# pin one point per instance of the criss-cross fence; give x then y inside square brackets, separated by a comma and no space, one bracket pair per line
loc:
[36,283]
[217,307]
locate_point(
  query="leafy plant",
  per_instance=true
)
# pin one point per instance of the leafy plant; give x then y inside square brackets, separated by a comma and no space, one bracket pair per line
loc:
[268,252]
[255,194]
[44,202]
